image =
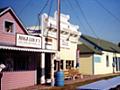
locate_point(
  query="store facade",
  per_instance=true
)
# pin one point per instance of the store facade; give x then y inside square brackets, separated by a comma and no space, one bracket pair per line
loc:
[69,37]
[20,53]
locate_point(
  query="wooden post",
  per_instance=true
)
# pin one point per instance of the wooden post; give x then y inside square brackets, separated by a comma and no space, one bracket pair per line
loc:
[58,33]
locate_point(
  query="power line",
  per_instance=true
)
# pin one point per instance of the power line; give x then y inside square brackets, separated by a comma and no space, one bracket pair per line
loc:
[43,7]
[46,3]
[108,11]
[77,17]
[24,7]
[85,18]
[51,3]
[11,3]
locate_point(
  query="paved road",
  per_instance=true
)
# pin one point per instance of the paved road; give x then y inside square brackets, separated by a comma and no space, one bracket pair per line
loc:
[102,84]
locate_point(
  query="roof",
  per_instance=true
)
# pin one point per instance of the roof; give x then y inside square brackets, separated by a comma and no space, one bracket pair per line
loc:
[84,48]
[2,9]
[25,49]
[6,9]
[102,44]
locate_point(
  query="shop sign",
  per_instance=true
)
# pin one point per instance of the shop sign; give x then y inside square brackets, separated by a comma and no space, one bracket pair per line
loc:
[64,43]
[28,41]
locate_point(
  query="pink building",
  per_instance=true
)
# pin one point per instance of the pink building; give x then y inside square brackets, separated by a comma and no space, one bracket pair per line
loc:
[21,53]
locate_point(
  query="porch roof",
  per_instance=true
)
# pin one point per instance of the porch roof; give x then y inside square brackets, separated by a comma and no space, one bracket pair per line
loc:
[26,49]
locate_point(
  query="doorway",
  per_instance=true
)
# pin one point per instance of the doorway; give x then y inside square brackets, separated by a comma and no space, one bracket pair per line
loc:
[47,65]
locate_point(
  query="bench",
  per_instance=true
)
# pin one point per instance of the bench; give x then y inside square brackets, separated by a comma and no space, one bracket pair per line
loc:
[67,75]
[72,74]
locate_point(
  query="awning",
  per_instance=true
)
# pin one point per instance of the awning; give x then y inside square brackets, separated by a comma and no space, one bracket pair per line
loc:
[27,49]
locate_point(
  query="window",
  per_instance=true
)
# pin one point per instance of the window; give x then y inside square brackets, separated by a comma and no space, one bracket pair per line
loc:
[61,64]
[107,61]
[9,27]
[69,64]
[56,65]
[119,63]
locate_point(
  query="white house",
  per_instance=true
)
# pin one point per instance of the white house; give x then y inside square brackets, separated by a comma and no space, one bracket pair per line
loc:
[98,56]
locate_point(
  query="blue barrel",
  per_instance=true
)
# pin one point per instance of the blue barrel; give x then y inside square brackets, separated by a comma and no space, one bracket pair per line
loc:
[59,78]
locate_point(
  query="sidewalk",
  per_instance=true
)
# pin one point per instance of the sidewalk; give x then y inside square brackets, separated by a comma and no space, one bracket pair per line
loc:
[86,79]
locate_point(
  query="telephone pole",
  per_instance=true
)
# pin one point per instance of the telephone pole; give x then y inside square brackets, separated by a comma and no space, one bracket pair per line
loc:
[58,34]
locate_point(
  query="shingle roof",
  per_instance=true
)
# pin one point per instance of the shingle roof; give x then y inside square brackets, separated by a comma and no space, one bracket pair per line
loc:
[102,44]
[88,49]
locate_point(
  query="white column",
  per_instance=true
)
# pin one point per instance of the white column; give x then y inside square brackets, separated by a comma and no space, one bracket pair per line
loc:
[43,62]
[42,68]
[43,27]
[52,70]
[64,64]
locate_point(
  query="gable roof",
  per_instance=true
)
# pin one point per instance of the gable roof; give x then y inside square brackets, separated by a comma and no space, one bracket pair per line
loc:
[8,9]
[2,9]
[101,44]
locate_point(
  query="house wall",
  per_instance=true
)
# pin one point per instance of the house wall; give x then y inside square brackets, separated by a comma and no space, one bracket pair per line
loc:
[69,36]
[13,80]
[101,67]
[86,64]
[8,37]
[117,56]
[69,53]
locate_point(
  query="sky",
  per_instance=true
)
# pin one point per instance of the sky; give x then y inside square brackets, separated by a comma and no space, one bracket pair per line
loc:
[97,18]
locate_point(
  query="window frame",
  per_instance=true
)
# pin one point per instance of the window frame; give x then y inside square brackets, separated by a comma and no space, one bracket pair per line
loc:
[13,29]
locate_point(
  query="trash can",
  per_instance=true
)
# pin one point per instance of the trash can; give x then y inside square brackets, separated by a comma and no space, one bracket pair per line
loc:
[59,78]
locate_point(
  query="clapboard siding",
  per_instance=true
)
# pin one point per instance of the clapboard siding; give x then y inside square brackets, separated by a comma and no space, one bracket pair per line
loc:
[7,37]
[13,80]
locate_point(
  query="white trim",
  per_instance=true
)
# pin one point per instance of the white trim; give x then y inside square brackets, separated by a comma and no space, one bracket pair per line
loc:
[26,49]
[4,11]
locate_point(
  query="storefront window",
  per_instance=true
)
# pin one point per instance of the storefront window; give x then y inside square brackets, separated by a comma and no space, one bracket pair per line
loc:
[24,63]
[72,63]
[56,64]
[9,64]
[20,64]
[69,64]
[61,64]
[17,61]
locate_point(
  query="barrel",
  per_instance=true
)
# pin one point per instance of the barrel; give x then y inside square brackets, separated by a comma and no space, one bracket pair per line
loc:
[59,78]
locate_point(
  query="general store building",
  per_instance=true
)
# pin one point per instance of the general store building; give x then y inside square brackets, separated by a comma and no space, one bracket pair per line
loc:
[69,36]
[19,52]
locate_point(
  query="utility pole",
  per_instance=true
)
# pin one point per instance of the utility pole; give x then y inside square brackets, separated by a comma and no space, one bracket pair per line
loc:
[58,25]
[58,33]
